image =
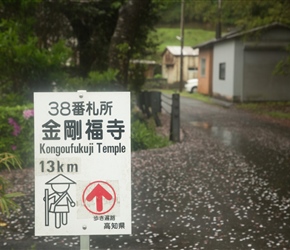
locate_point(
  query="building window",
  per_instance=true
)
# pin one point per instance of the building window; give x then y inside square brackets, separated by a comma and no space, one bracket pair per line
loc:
[202,67]
[192,72]
[222,71]
[192,69]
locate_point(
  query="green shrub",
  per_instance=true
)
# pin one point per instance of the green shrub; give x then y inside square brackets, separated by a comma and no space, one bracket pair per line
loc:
[25,67]
[143,136]
[16,132]
[96,81]
[6,199]
[12,99]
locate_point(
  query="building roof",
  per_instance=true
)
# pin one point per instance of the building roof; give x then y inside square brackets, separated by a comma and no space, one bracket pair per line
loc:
[187,51]
[239,33]
[141,61]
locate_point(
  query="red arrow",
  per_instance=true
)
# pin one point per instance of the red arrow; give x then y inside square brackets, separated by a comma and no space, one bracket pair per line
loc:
[99,192]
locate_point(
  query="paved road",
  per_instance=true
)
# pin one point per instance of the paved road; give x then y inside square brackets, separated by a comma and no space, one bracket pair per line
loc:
[264,144]
[225,186]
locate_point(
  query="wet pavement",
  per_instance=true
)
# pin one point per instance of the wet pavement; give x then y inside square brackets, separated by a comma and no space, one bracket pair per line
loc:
[225,186]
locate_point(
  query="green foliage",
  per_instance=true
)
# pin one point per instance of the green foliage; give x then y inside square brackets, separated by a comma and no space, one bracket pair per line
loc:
[232,13]
[73,84]
[96,81]
[197,96]
[16,132]
[279,115]
[283,66]
[106,77]
[257,13]
[170,13]
[192,37]
[12,99]
[136,76]
[158,76]
[195,13]
[143,136]
[8,160]
[23,65]
[279,110]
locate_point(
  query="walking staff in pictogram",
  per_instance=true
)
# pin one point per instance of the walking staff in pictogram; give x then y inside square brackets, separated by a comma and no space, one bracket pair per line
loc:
[58,202]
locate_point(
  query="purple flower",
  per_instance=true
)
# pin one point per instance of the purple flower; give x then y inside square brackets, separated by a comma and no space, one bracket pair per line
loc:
[28,113]
[14,147]
[15,125]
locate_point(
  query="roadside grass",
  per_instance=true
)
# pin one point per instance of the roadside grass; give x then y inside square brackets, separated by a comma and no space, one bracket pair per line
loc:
[196,96]
[192,37]
[277,110]
[280,115]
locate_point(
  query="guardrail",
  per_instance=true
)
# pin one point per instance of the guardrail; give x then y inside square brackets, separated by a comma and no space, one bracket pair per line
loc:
[152,103]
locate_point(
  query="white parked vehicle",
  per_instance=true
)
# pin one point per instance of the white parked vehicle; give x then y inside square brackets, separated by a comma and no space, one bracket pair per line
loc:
[191,85]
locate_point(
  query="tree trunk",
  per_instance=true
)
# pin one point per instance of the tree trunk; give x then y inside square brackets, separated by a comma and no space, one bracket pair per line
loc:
[122,41]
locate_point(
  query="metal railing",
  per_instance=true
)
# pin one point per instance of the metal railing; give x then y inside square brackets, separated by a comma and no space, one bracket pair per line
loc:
[152,103]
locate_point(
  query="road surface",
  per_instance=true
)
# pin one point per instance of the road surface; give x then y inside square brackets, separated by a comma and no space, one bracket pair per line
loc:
[225,186]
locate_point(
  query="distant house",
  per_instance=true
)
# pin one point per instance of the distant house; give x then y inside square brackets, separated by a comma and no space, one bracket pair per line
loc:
[171,63]
[239,66]
[149,67]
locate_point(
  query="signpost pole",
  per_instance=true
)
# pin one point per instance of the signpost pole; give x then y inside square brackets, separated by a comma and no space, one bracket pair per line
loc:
[84,239]
[85,242]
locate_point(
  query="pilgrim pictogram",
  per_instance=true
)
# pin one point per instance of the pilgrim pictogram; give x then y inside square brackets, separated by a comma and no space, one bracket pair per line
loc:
[58,201]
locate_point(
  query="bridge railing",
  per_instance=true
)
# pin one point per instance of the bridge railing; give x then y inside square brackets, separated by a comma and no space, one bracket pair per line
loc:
[151,103]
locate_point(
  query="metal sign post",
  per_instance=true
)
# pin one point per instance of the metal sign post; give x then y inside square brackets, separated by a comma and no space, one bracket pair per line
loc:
[84,239]
[82,164]
[84,242]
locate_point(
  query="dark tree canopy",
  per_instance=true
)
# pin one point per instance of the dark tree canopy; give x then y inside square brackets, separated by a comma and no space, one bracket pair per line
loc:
[104,34]
[233,12]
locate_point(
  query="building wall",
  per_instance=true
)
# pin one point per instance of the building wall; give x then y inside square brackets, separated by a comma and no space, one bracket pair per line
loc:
[191,67]
[260,83]
[205,82]
[171,67]
[260,59]
[224,53]
[238,71]
[249,64]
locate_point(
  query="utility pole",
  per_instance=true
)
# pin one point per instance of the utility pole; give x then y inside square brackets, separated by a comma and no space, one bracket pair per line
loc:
[181,45]
[218,25]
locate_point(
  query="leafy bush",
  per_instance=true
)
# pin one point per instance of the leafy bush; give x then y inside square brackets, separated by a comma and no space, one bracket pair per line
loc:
[16,132]
[96,81]
[12,99]
[143,136]
[136,76]
[6,199]
[25,66]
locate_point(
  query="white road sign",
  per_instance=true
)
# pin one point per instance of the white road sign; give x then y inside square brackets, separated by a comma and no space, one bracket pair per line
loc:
[82,163]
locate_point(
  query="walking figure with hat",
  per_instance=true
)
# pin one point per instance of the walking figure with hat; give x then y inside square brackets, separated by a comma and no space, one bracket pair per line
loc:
[59,201]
